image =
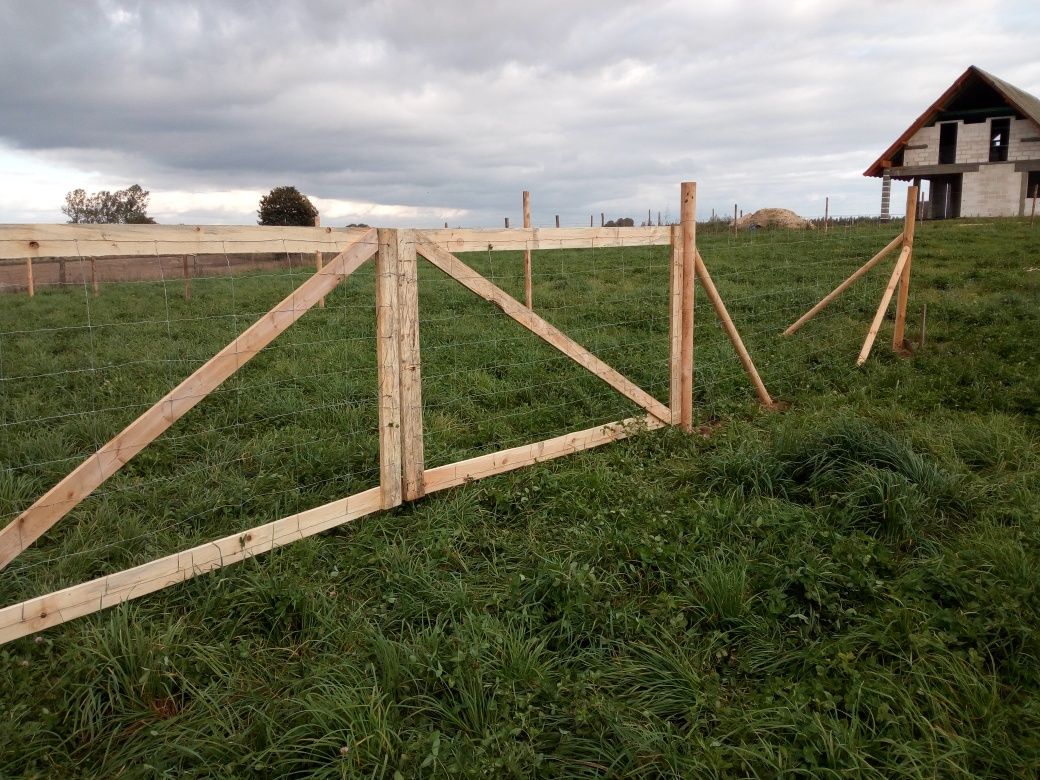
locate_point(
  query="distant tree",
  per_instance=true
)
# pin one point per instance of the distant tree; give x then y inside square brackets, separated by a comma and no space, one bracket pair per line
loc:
[357,225]
[129,206]
[286,206]
[622,222]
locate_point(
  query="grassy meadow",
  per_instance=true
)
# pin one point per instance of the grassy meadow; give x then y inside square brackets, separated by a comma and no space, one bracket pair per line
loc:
[846,588]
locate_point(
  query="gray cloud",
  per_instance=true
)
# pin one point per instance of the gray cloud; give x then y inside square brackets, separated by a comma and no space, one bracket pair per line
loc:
[590,105]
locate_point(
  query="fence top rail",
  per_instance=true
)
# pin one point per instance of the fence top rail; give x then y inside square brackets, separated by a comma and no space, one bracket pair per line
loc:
[21,241]
[40,241]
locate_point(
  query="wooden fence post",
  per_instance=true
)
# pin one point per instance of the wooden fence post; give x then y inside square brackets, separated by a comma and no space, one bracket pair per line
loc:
[187,279]
[909,224]
[388,356]
[557,220]
[734,220]
[412,452]
[507,223]
[527,252]
[1032,213]
[29,277]
[826,213]
[318,258]
[688,221]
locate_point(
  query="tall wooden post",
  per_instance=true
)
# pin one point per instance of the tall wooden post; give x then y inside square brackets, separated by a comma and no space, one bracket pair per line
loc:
[507,223]
[688,222]
[591,217]
[318,258]
[412,458]
[557,220]
[909,225]
[826,214]
[187,278]
[388,357]
[602,219]
[527,251]
[30,286]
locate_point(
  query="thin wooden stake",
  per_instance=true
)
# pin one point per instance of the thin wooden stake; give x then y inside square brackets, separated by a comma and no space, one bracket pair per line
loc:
[924,317]
[602,219]
[507,223]
[412,454]
[527,252]
[318,258]
[879,317]
[732,332]
[187,277]
[92,472]
[688,221]
[734,220]
[829,298]
[389,361]
[1032,212]
[30,286]
[557,220]
[909,225]
[826,214]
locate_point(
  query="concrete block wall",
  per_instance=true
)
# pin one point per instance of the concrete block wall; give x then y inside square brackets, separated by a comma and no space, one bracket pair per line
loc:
[995,191]
[973,143]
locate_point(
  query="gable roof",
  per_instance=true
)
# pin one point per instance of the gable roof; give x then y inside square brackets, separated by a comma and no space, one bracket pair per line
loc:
[1020,100]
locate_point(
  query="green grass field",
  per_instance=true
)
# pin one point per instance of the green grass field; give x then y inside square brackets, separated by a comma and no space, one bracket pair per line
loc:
[846,588]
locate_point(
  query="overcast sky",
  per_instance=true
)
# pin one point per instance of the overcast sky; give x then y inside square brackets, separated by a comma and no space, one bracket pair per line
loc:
[395,113]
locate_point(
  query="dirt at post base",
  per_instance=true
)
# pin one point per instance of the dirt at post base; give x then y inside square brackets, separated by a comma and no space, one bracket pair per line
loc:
[773,218]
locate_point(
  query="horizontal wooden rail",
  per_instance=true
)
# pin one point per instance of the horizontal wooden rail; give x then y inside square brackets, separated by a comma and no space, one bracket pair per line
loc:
[84,479]
[454,474]
[38,241]
[20,241]
[28,617]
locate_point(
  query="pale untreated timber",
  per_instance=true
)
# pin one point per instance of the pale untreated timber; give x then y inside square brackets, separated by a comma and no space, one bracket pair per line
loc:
[476,283]
[495,239]
[388,355]
[675,326]
[909,225]
[460,473]
[731,331]
[830,297]
[187,277]
[18,241]
[318,259]
[879,317]
[30,285]
[412,454]
[688,220]
[36,614]
[85,478]
[527,252]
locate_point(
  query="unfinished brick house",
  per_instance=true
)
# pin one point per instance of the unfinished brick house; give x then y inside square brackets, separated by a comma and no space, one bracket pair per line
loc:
[977,149]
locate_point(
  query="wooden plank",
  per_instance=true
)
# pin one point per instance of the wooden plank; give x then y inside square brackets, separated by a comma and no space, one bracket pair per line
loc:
[830,297]
[85,478]
[495,239]
[909,225]
[879,317]
[454,474]
[688,220]
[527,252]
[19,241]
[388,355]
[412,456]
[675,326]
[731,330]
[476,283]
[32,615]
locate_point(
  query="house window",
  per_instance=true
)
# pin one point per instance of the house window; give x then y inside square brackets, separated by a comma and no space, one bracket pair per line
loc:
[1033,185]
[999,138]
[947,143]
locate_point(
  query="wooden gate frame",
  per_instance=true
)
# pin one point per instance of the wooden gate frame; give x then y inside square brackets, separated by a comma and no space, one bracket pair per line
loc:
[403,474]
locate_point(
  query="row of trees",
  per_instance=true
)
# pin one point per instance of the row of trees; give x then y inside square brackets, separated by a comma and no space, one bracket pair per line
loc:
[281,206]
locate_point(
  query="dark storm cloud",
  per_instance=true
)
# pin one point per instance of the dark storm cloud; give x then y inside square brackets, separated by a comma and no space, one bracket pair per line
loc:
[591,105]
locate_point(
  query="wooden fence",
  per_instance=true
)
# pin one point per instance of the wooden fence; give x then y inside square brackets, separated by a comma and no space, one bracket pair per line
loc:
[403,475]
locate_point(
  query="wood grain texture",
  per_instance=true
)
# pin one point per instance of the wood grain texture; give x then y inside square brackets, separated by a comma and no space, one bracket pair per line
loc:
[909,227]
[675,382]
[688,220]
[86,477]
[36,614]
[517,239]
[412,450]
[454,474]
[476,283]
[388,355]
[18,241]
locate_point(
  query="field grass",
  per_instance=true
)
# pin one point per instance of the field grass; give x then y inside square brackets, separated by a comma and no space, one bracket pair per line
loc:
[844,589]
